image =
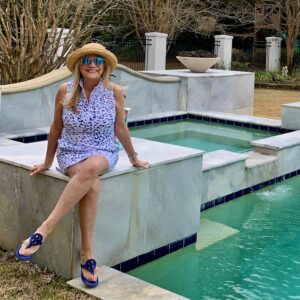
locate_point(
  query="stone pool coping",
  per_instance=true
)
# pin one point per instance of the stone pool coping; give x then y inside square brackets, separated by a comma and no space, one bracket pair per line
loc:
[220,158]
[27,155]
[279,142]
[188,73]
[63,73]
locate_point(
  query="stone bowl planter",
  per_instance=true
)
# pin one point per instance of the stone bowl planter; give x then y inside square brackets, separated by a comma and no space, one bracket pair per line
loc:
[198,64]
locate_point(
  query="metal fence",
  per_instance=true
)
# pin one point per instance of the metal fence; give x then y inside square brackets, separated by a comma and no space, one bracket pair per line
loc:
[248,55]
[186,44]
[130,53]
[253,55]
[296,57]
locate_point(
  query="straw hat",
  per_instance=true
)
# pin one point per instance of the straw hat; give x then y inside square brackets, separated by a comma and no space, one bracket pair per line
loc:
[89,49]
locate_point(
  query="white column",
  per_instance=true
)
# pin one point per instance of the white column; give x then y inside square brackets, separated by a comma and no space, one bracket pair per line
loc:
[156,51]
[223,49]
[273,53]
[55,36]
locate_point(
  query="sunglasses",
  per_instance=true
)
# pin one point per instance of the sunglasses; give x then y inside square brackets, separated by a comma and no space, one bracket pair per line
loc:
[97,60]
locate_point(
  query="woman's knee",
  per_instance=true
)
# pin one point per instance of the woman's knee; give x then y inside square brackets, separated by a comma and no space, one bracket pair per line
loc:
[93,167]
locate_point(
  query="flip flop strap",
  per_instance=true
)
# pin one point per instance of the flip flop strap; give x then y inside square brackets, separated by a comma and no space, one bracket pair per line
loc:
[35,240]
[90,265]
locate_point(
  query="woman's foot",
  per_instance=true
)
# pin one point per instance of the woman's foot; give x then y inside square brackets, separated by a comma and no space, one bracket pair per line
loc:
[30,246]
[88,276]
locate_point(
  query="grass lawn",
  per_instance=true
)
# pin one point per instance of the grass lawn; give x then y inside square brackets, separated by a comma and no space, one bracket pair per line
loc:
[24,280]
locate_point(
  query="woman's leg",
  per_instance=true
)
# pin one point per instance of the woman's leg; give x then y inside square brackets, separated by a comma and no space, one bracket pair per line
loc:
[83,178]
[87,216]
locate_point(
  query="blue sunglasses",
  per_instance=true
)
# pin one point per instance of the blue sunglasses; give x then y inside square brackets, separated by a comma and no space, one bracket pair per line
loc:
[97,60]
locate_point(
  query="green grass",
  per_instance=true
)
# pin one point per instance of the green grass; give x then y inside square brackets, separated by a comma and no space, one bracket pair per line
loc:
[24,280]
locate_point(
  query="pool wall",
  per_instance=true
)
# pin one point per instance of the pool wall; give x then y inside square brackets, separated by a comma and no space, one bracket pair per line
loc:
[29,105]
[228,175]
[216,90]
[140,211]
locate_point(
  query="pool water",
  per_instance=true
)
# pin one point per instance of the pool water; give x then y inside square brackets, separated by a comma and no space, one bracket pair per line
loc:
[201,135]
[262,261]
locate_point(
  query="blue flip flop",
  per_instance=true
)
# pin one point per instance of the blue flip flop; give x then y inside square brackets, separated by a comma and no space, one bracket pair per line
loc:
[90,265]
[36,239]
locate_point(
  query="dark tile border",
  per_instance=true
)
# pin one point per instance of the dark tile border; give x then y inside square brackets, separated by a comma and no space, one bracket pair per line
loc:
[31,139]
[140,260]
[248,190]
[208,119]
[145,258]
[43,137]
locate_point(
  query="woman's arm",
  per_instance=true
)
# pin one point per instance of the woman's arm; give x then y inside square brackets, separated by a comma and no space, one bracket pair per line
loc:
[55,132]
[121,129]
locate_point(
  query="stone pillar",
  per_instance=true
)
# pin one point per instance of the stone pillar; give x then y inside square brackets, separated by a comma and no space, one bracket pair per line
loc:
[55,36]
[156,51]
[273,53]
[223,49]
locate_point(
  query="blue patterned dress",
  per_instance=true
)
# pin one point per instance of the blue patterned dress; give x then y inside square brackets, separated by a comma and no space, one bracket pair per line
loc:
[90,131]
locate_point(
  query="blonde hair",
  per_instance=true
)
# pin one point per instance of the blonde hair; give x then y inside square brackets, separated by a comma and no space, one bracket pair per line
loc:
[71,99]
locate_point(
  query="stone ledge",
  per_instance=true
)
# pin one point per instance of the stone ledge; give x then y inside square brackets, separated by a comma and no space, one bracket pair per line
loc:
[27,155]
[257,159]
[39,82]
[293,105]
[115,285]
[209,73]
[278,142]
[7,143]
[220,158]
[237,118]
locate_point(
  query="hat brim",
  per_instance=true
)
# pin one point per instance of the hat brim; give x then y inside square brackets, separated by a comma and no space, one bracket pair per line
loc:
[109,57]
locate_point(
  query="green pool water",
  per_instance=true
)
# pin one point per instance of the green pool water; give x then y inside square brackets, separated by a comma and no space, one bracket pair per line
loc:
[201,135]
[261,261]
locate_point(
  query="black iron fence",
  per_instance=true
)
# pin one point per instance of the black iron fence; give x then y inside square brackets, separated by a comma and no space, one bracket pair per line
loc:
[245,55]
[186,44]
[248,55]
[296,57]
[130,53]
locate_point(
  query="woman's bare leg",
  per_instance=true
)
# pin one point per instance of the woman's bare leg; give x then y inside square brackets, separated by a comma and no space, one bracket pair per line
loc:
[84,175]
[87,217]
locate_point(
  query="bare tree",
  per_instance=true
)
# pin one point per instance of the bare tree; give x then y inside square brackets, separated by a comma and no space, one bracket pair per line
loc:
[290,25]
[285,21]
[31,33]
[168,16]
[206,16]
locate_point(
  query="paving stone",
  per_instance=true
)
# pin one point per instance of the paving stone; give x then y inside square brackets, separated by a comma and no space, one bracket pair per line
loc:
[115,285]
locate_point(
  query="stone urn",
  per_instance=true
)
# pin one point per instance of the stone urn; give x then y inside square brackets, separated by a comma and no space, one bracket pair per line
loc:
[197,61]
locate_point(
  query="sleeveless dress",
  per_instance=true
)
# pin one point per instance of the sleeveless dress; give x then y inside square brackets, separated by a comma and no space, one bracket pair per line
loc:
[90,131]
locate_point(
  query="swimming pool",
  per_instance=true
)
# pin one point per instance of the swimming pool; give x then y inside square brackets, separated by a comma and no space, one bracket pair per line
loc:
[261,261]
[202,135]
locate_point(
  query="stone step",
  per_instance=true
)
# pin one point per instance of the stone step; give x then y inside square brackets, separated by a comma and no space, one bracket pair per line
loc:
[115,285]
[220,158]
[256,159]
[272,145]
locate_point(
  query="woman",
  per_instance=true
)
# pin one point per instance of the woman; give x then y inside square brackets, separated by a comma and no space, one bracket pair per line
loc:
[88,116]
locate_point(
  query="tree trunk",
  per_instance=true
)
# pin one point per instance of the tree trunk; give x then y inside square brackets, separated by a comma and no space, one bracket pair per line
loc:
[292,8]
[290,43]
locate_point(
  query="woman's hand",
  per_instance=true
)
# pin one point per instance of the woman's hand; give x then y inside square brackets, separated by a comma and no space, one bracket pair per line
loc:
[140,163]
[39,168]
